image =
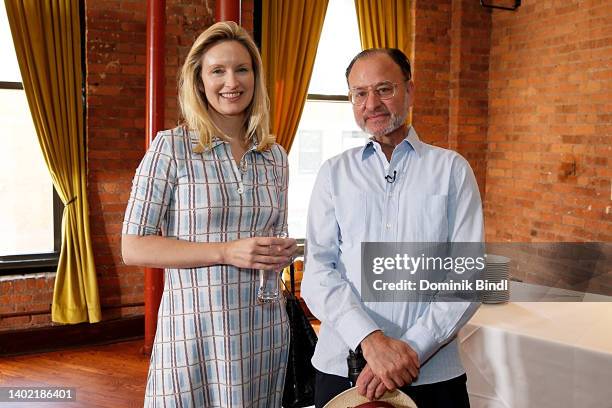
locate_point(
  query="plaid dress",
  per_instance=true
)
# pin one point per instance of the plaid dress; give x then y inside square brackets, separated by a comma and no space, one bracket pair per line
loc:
[215,345]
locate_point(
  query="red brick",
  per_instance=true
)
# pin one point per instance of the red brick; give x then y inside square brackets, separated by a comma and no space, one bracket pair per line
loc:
[11,323]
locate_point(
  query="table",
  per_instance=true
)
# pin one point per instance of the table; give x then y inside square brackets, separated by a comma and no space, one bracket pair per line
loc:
[539,354]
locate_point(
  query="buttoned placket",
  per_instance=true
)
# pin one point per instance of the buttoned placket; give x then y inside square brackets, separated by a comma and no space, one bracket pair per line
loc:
[239,171]
[389,230]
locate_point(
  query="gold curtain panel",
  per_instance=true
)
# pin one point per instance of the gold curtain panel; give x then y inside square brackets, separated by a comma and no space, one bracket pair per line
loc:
[48,47]
[290,35]
[385,23]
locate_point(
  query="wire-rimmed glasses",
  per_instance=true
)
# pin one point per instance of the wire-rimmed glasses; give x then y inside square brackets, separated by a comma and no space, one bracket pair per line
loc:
[383,90]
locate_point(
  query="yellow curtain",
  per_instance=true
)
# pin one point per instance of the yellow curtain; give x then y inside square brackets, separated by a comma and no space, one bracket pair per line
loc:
[48,45]
[387,23]
[290,34]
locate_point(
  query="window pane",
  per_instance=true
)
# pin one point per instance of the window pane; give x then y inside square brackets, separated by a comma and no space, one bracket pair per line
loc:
[310,151]
[9,69]
[26,204]
[326,129]
[338,45]
[26,189]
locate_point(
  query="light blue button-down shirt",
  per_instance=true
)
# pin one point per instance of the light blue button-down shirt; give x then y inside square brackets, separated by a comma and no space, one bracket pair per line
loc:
[434,198]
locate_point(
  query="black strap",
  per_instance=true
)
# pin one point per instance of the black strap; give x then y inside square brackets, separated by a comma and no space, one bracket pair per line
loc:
[290,292]
[292,276]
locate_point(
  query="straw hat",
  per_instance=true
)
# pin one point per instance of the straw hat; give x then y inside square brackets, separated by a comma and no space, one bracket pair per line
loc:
[351,399]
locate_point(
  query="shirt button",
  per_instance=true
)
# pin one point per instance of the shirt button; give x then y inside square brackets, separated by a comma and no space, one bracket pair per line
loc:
[240,190]
[388,226]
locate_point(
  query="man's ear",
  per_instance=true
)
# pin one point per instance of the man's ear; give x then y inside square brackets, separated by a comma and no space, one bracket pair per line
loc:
[410,92]
[410,87]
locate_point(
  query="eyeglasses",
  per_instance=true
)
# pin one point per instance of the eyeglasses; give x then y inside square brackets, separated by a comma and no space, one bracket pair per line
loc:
[383,90]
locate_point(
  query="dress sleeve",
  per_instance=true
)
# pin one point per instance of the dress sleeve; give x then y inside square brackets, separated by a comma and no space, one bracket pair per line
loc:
[152,189]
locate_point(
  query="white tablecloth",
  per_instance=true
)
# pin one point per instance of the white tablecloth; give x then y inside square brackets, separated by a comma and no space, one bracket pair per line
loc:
[539,355]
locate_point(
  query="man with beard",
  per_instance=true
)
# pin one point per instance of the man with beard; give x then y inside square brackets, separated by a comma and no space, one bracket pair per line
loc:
[394,189]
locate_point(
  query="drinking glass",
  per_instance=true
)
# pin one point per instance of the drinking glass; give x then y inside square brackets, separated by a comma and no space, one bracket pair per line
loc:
[269,280]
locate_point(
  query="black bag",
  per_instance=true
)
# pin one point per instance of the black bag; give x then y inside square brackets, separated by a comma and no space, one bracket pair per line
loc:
[300,378]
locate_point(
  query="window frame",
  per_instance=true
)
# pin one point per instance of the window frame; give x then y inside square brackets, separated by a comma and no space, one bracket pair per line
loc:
[11,85]
[327,98]
[46,262]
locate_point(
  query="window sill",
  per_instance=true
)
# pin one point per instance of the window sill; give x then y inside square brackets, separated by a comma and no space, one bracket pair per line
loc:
[17,276]
[28,264]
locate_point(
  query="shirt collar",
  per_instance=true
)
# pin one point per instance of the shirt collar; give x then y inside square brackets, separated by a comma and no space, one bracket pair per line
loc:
[217,141]
[411,141]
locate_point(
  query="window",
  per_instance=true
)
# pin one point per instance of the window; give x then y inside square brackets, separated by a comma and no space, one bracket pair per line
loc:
[30,212]
[327,126]
[310,150]
[352,139]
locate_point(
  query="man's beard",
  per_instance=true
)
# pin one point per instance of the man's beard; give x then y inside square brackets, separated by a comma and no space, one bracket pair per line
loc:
[395,122]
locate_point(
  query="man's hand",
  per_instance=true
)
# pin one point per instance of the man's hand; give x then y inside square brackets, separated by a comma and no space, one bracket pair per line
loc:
[392,362]
[369,385]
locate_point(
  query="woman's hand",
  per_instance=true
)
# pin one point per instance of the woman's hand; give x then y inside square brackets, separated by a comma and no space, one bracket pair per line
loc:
[268,253]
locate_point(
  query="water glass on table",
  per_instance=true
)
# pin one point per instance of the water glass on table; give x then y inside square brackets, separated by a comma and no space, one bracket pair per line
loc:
[269,280]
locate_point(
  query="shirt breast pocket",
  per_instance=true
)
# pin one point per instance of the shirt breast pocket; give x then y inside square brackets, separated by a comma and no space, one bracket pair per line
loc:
[426,218]
[352,216]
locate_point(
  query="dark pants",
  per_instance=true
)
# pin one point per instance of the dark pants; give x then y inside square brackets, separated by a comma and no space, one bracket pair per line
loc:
[446,394]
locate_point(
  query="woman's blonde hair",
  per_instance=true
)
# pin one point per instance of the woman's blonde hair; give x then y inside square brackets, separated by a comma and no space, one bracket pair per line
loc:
[193,102]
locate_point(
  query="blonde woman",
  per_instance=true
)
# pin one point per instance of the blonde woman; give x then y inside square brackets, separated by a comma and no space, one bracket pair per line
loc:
[210,187]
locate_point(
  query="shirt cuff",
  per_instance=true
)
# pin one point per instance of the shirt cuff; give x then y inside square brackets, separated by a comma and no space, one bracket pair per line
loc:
[355,326]
[422,342]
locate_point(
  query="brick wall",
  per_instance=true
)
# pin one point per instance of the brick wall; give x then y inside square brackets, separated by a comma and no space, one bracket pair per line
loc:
[247,15]
[25,301]
[431,70]
[469,76]
[451,60]
[550,126]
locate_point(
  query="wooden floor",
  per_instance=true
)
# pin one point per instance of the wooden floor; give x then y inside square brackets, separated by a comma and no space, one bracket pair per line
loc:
[104,376]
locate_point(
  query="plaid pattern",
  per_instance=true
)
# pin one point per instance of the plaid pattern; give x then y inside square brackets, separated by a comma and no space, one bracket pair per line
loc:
[215,345]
